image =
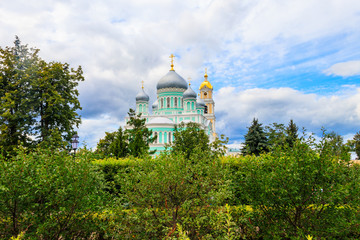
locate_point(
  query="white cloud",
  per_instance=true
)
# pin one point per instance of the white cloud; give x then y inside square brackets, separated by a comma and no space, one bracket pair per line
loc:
[344,69]
[237,108]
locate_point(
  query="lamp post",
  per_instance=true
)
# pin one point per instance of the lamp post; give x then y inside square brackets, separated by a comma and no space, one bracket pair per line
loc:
[74,143]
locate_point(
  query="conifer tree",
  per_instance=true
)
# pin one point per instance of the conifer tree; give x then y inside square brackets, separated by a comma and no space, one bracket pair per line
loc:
[255,139]
[356,140]
[291,133]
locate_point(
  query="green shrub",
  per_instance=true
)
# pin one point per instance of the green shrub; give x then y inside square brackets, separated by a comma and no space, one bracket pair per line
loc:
[48,194]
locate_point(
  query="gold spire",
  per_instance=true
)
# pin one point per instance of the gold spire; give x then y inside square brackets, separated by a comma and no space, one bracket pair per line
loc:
[206,74]
[172,56]
[189,78]
[142,84]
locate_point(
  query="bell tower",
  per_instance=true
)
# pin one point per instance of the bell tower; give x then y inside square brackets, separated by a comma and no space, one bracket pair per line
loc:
[206,93]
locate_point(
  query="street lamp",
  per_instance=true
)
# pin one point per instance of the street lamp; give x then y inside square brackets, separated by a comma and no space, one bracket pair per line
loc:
[74,143]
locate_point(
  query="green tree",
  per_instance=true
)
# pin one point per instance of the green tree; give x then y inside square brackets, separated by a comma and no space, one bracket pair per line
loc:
[37,98]
[356,140]
[335,143]
[291,133]
[171,190]
[47,194]
[55,99]
[114,144]
[306,189]
[139,136]
[256,141]
[18,66]
[188,138]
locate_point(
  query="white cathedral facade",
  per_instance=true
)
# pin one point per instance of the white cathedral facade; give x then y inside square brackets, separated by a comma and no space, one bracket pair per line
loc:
[176,102]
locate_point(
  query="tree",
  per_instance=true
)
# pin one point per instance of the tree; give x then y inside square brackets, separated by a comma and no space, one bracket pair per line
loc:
[172,190]
[18,66]
[189,137]
[56,99]
[255,139]
[335,144]
[36,98]
[139,136]
[114,144]
[356,140]
[48,194]
[291,133]
[306,189]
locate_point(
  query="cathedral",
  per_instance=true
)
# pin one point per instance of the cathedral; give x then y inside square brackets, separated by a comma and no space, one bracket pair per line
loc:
[176,102]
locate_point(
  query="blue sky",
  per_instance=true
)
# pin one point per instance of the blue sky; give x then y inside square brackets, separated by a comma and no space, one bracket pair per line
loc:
[274,60]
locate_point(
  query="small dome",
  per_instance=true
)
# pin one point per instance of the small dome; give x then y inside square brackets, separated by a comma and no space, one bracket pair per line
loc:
[142,96]
[200,102]
[189,93]
[160,120]
[155,104]
[171,80]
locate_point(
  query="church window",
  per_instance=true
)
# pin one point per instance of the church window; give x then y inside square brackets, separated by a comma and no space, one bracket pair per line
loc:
[176,102]
[140,107]
[168,102]
[192,106]
[155,136]
[162,102]
[165,138]
[206,109]
[169,137]
[188,106]
[205,94]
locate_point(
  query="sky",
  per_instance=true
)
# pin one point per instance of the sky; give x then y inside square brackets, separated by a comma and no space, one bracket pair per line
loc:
[273,60]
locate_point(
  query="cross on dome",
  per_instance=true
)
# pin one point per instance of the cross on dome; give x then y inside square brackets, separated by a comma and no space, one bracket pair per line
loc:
[172,56]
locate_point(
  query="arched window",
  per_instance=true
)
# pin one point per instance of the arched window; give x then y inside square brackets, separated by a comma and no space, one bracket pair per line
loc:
[162,102]
[192,106]
[155,136]
[140,107]
[169,137]
[176,102]
[206,109]
[188,106]
[168,102]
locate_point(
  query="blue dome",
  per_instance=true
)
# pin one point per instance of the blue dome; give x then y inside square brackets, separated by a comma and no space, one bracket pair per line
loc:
[171,80]
[189,93]
[142,96]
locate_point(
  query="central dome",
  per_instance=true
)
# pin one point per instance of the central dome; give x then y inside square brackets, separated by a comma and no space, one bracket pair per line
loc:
[171,80]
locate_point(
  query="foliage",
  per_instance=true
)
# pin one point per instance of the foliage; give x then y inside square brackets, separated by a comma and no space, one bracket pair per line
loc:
[300,191]
[36,98]
[356,140]
[55,98]
[188,137]
[48,194]
[17,69]
[335,144]
[256,141]
[114,144]
[291,133]
[279,135]
[139,136]
[174,189]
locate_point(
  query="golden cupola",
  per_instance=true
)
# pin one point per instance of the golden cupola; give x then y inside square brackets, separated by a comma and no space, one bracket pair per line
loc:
[206,82]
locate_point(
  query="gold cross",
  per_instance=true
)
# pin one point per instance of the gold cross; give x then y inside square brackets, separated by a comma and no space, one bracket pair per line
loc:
[206,73]
[142,84]
[172,56]
[189,78]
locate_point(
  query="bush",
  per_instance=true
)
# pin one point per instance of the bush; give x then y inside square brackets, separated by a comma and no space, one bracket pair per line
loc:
[48,194]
